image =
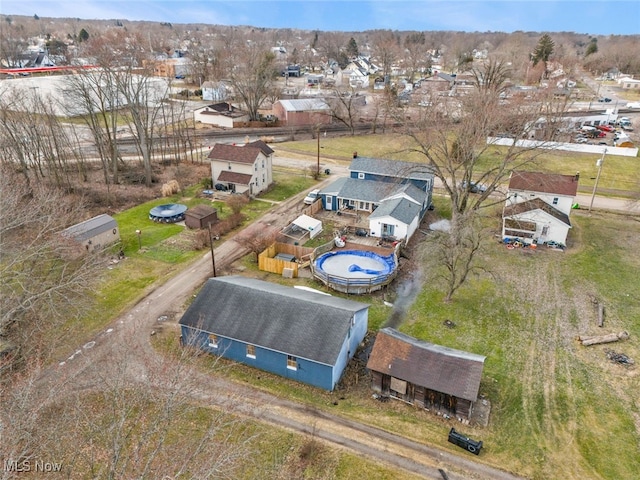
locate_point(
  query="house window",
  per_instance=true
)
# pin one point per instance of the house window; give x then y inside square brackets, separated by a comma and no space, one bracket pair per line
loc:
[262,163]
[387,230]
[545,230]
[213,341]
[251,351]
[229,166]
[292,362]
[555,200]
[361,175]
[255,167]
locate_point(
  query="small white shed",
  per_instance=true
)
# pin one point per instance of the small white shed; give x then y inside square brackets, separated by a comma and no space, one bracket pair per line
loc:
[308,224]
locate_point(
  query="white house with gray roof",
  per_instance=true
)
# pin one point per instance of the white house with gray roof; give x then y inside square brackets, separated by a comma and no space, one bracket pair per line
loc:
[298,334]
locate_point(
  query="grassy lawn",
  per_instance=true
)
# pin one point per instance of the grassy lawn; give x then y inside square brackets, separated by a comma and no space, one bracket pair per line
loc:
[287,185]
[559,410]
[619,174]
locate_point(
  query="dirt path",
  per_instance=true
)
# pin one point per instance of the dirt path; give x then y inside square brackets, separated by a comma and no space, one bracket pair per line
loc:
[132,331]
[136,326]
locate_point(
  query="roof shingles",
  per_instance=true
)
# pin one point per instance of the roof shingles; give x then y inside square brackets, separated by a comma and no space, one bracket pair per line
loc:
[284,319]
[544,183]
[234,153]
[535,204]
[438,368]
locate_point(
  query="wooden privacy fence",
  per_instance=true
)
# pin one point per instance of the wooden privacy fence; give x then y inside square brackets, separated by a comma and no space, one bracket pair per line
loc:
[315,207]
[268,263]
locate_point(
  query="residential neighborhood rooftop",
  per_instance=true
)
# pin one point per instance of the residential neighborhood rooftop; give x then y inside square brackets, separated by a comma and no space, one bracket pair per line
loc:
[395,168]
[235,153]
[305,324]
[544,183]
[439,368]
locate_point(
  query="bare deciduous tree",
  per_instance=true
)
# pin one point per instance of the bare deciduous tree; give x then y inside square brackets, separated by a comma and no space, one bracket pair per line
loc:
[257,237]
[45,279]
[346,105]
[126,413]
[252,76]
[34,138]
[454,144]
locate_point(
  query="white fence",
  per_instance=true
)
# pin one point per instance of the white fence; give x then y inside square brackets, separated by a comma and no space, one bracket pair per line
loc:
[570,147]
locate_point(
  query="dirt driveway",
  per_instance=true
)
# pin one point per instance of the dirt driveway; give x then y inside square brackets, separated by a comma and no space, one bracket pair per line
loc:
[135,327]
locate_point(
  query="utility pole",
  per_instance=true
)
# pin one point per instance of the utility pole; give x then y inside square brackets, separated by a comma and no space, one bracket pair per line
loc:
[599,164]
[213,256]
[318,167]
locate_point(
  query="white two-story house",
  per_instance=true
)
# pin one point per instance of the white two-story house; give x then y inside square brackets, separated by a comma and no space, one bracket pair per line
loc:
[538,207]
[242,169]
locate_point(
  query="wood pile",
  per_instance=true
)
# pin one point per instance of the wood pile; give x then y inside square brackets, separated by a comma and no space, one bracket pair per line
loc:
[598,339]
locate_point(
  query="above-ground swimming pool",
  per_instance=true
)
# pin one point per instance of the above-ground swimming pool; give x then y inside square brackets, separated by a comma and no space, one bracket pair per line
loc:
[355,271]
[170,213]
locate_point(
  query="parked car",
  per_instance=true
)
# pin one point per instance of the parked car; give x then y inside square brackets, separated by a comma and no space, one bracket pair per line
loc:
[311,197]
[474,187]
[605,128]
[581,140]
[604,100]
[627,128]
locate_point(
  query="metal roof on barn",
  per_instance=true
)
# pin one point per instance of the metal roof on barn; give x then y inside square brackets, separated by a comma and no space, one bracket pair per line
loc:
[304,105]
[90,228]
[438,368]
[283,319]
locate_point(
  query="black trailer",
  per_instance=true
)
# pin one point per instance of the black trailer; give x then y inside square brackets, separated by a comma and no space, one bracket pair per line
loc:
[468,444]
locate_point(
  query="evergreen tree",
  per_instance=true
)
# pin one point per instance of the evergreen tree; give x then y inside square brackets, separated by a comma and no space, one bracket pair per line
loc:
[352,48]
[543,50]
[592,47]
[83,36]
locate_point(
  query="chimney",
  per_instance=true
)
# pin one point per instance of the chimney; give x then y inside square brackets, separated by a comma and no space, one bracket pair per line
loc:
[355,154]
[576,176]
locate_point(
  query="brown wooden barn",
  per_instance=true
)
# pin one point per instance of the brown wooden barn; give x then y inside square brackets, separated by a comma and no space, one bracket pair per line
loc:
[200,216]
[426,375]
